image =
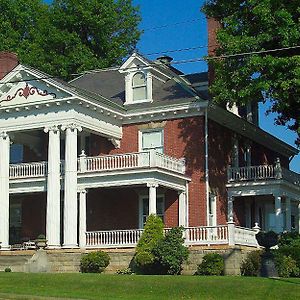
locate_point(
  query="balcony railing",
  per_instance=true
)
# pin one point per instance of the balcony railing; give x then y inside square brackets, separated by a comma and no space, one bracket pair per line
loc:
[202,235]
[135,160]
[25,170]
[263,172]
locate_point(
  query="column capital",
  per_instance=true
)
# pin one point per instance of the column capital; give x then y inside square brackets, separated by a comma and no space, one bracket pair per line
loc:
[53,128]
[152,184]
[72,127]
[181,192]
[82,191]
[4,135]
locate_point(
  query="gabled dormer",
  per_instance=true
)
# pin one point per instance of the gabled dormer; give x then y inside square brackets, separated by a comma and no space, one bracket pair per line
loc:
[138,79]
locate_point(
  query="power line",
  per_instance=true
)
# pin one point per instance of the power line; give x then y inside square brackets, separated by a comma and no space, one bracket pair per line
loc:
[172,24]
[229,56]
[178,50]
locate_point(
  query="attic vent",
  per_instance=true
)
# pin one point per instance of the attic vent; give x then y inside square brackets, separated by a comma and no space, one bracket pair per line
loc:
[165,59]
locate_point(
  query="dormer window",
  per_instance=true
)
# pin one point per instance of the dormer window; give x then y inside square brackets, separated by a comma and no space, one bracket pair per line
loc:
[139,87]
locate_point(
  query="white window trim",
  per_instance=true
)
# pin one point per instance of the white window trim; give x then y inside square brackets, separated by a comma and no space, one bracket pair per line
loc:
[129,87]
[143,196]
[151,130]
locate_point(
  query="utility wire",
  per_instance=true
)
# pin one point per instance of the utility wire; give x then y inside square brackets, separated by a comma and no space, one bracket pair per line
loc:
[208,58]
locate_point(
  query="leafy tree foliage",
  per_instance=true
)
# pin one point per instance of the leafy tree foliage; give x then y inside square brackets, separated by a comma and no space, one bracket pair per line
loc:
[69,36]
[256,25]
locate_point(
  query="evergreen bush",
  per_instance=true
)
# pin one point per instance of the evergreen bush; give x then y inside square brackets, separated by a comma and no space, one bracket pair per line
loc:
[7,270]
[94,262]
[251,264]
[144,259]
[286,266]
[212,264]
[171,252]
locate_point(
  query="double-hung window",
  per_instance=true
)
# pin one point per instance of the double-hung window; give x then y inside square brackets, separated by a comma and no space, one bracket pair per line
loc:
[139,87]
[152,140]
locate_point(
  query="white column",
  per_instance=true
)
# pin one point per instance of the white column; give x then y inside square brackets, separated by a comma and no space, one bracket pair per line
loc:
[278,213]
[248,214]
[182,209]
[230,208]
[70,193]
[152,197]
[53,188]
[4,190]
[82,218]
[288,223]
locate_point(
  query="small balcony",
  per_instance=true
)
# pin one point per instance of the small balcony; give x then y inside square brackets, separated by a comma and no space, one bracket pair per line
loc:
[105,163]
[262,173]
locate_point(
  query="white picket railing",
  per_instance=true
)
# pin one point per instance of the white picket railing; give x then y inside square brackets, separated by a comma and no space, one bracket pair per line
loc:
[206,235]
[113,238]
[245,236]
[130,161]
[251,173]
[25,170]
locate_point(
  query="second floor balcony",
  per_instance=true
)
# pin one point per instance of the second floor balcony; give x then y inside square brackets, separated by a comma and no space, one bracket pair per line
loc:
[262,173]
[106,163]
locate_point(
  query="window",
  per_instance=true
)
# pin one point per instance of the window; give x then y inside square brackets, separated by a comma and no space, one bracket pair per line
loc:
[144,208]
[152,140]
[16,153]
[139,86]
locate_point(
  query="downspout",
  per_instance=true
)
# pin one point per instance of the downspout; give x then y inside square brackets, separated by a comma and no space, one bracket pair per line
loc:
[206,168]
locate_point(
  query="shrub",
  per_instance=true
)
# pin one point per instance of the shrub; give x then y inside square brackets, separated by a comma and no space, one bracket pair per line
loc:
[171,252]
[251,264]
[94,262]
[145,259]
[212,264]
[7,270]
[286,266]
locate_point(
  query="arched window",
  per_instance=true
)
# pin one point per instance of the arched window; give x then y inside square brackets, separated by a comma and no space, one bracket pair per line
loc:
[139,86]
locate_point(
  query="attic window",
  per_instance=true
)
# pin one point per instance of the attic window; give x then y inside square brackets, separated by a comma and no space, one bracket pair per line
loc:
[139,86]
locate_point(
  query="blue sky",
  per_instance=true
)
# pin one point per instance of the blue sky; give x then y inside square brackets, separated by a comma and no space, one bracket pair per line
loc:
[192,32]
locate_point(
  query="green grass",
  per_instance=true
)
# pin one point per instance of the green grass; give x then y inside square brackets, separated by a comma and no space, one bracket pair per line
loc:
[95,286]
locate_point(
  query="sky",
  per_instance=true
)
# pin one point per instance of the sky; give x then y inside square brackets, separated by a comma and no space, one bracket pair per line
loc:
[177,24]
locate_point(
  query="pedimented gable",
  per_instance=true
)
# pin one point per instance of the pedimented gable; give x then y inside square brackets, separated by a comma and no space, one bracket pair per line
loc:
[22,87]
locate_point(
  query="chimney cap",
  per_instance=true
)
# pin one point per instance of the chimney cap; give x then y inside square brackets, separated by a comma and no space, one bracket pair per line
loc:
[165,59]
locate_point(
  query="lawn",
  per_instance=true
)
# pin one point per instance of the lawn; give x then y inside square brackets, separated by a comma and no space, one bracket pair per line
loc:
[94,286]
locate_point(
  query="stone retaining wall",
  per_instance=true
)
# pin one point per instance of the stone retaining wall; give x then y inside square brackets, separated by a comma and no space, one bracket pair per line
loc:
[59,261]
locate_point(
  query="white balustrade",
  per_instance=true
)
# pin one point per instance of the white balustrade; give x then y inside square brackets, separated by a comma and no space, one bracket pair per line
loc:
[245,236]
[25,170]
[113,238]
[130,161]
[206,235]
[251,173]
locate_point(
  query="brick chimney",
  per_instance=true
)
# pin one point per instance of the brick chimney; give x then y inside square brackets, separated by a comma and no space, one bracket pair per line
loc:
[8,61]
[212,26]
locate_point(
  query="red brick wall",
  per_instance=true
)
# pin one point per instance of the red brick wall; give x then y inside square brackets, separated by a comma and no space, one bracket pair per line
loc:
[8,61]
[182,138]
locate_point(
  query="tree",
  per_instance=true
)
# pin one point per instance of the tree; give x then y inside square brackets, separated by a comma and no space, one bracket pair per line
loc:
[258,25]
[69,36]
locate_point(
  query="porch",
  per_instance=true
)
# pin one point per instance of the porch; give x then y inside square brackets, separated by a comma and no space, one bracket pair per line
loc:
[267,194]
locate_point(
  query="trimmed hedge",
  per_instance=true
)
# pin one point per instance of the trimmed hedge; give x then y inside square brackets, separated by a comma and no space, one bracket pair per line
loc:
[94,262]
[212,264]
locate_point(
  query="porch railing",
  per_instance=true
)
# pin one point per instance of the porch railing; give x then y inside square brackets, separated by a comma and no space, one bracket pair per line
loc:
[202,235]
[130,161]
[24,170]
[245,236]
[263,172]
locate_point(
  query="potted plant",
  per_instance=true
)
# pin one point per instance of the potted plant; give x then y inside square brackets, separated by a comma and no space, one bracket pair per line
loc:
[41,241]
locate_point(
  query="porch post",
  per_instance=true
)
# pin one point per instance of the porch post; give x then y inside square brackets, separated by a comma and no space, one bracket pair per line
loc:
[53,188]
[288,223]
[230,208]
[278,213]
[152,197]
[82,218]
[182,209]
[4,188]
[70,193]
